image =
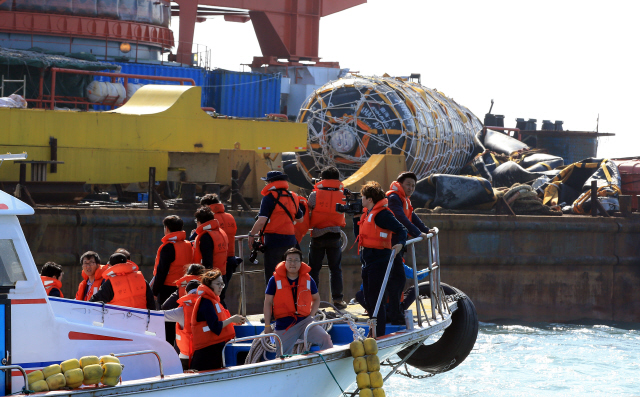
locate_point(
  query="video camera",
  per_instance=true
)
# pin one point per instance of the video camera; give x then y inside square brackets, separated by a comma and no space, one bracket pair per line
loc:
[353,203]
[258,246]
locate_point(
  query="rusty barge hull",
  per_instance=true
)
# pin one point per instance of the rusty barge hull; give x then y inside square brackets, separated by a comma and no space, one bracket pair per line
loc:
[524,268]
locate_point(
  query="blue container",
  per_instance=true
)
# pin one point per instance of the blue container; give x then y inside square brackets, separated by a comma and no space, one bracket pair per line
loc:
[200,76]
[571,148]
[243,94]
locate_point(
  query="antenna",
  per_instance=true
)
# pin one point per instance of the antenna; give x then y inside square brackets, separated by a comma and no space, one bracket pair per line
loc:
[491,106]
[598,123]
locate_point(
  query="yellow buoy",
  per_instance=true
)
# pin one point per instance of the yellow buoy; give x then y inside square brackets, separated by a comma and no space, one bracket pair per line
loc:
[51,370]
[370,346]
[74,377]
[363,380]
[35,376]
[109,381]
[375,379]
[360,364]
[357,348]
[109,359]
[69,364]
[366,393]
[89,360]
[92,374]
[373,363]
[56,381]
[111,370]
[39,385]
[378,392]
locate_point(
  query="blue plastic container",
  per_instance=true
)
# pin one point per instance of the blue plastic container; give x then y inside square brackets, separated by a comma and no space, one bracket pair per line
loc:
[242,94]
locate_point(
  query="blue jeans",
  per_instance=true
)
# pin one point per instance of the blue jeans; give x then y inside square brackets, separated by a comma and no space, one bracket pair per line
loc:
[328,244]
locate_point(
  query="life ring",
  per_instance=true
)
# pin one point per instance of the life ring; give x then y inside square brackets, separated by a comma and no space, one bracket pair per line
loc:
[456,342]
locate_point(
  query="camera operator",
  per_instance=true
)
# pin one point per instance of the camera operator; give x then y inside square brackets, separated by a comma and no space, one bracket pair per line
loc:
[326,223]
[373,232]
[400,204]
[279,210]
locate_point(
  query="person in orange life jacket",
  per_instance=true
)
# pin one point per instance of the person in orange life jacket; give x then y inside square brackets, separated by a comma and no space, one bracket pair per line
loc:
[128,256]
[173,256]
[211,324]
[228,224]
[181,316]
[292,298]
[194,272]
[124,286]
[325,236]
[301,228]
[91,274]
[398,196]
[51,277]
[211,243]
[373,232]
[279,210]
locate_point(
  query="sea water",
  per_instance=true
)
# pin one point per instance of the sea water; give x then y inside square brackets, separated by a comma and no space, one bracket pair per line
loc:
[538,360]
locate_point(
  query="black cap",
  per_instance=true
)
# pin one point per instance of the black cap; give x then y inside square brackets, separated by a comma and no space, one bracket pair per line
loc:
[275,176]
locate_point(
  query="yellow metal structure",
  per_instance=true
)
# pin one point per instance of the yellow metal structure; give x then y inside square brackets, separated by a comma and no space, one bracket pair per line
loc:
[383,168]
[119,146]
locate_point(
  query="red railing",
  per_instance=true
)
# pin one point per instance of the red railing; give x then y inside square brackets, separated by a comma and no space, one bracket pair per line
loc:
[44,101]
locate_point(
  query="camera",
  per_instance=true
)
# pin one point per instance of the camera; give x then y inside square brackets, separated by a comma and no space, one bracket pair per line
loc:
[257,247]
[353,203]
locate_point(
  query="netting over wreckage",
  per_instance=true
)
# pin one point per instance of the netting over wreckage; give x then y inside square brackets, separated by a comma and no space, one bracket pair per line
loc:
[353,118]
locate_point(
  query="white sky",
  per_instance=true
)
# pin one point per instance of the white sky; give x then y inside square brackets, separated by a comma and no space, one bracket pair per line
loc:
[548,60]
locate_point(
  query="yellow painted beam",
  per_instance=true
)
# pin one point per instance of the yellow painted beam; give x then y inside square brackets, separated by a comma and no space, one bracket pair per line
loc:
[158,119]
[383,168]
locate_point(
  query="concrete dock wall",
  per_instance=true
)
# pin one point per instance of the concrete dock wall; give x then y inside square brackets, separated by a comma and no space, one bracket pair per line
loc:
[527,268]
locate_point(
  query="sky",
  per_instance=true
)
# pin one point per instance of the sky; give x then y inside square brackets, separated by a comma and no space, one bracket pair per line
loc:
[564,60]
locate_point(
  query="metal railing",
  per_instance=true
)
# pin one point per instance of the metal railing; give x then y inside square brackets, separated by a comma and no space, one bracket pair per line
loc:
[434,278]
[246,338]
[141,353]
[313,324]
[24,374]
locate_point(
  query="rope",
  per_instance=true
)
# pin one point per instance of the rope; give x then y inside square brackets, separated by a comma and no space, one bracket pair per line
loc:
[333,376]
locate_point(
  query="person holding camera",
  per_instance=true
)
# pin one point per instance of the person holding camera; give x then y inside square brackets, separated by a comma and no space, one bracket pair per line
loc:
[326,223]
[399,200]
[279,211]
[373,231]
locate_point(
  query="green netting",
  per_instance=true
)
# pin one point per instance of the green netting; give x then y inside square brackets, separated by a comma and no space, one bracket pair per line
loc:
[40,58]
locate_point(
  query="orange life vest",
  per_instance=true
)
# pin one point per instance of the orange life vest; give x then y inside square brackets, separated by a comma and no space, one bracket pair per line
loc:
[370,235]
[129,286]
[280,222]
[324,212]
[407,208]
[220,244]
[184,254]
[184,336]
[202,335]
[51,283]
[82,294]
[302,227]
[228,224]
[283,305]
[182,284]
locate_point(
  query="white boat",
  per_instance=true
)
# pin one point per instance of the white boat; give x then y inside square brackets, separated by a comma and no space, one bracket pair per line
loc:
[41,330]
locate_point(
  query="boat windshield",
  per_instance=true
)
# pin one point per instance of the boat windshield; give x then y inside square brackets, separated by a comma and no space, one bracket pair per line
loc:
[10,266]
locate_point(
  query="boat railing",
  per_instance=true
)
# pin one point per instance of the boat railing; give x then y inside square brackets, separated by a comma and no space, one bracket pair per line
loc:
[24,374]
[246,338]
[434,278]
[318,323]
[140,353]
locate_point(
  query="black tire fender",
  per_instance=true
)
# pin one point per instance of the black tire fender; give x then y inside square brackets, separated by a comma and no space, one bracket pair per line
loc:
[456,342]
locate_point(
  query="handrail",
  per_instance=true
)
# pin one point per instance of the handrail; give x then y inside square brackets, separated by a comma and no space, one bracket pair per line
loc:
[261,336]
[331,320]
[24,374]
[429,236]
[141,353]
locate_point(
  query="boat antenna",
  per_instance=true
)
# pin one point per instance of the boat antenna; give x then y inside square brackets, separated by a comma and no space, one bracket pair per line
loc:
[598,123]
[491,106]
